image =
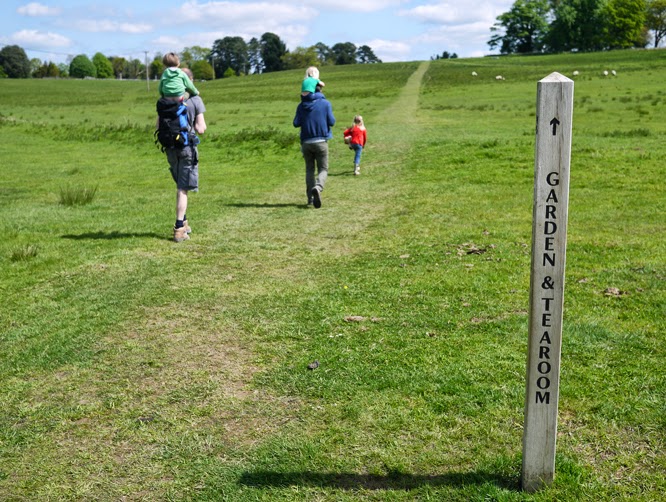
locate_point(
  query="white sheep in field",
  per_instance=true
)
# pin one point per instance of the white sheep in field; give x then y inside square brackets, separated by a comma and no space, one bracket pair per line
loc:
[474,74]
[614,73]
[499,77]
[605,73]
[575,73]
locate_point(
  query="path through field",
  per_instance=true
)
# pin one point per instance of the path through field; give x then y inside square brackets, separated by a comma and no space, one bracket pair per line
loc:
[180,381]
[135,368]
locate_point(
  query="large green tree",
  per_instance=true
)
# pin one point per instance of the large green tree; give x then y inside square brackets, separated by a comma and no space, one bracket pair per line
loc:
[344,53]
[229,52]
[365,54]
[656,20]
[255,64]
[624,24]
[202,70]
[324,53]
[272,50]
[47,70]
[522,29]
[14,62]
[103,66]
[82,67]
[63,69]
[156,67]
[35,64]
[119,65]
[300,57]
[191,54]
[136,69]
[577,25]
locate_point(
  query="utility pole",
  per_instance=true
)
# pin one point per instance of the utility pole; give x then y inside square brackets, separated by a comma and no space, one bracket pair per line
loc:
[147,71]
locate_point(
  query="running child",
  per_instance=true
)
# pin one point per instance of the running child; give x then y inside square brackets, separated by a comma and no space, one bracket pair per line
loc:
[357,135]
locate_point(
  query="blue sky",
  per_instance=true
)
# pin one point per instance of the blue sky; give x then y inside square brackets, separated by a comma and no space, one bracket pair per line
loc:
[397,30]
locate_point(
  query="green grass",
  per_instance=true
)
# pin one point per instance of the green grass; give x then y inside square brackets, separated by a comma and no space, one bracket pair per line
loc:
[135,367]
[23,253]
[77,196]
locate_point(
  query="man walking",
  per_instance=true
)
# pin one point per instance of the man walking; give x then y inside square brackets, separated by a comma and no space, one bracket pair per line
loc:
[184,164]
[314,115]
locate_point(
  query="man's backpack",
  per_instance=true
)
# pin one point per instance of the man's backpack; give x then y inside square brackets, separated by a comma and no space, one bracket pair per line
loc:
[173,127]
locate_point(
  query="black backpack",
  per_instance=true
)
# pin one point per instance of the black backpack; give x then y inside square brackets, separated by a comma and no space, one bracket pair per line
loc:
[173,127]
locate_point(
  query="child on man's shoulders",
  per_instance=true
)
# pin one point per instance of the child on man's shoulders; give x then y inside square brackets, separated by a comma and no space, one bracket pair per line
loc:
[174,84]
[311,81]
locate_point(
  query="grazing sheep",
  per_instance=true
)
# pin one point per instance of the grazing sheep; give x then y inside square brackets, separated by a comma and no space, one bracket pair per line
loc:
[575,73]
[605,73]
[474,74]
[614,73]
[499,77]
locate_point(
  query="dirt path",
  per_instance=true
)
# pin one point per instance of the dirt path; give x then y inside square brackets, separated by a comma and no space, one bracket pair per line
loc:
[403,110]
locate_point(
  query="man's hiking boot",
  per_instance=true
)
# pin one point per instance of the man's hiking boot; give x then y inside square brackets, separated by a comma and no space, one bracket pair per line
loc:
[187,227]
[180,234]
[316,197]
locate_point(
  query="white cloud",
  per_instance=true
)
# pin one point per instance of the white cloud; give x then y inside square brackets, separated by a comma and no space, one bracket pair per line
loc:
[170,42]
[40,40]
[451,13]
[291,36]
[250,17]
[389,50]
[246,20]
[105,25]
[357,5]
[458,39]
[37,9]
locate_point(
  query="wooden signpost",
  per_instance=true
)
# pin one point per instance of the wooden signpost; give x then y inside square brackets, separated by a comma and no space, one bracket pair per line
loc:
[549,240]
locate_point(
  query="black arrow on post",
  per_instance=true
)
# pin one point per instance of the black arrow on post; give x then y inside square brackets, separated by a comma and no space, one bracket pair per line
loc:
[554,123]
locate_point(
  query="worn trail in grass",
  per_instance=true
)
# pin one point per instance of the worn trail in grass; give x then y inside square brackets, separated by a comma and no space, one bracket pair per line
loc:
[175,379]
[135,367]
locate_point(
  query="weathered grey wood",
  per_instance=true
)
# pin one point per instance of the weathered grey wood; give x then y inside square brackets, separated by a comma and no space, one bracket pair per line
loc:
[549,240]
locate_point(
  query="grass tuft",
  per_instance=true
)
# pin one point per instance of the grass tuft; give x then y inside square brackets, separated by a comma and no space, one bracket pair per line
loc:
[641,132]
[24,253]
[77,196]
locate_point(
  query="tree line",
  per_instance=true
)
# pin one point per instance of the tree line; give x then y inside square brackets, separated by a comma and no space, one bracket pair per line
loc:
[545,26]
[234,56]
[229,56]
[14,63]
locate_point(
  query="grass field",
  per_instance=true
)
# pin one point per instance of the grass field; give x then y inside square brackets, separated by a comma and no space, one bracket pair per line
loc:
[135,368]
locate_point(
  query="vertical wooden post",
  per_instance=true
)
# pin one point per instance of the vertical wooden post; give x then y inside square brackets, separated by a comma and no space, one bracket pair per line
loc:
[549,240]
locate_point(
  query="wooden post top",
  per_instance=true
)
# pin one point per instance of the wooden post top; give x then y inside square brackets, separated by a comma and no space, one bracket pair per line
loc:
[556,77]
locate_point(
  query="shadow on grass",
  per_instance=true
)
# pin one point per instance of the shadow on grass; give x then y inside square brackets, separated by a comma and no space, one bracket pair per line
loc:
[343,173]
[116,235]
[391,481]
[265,205]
